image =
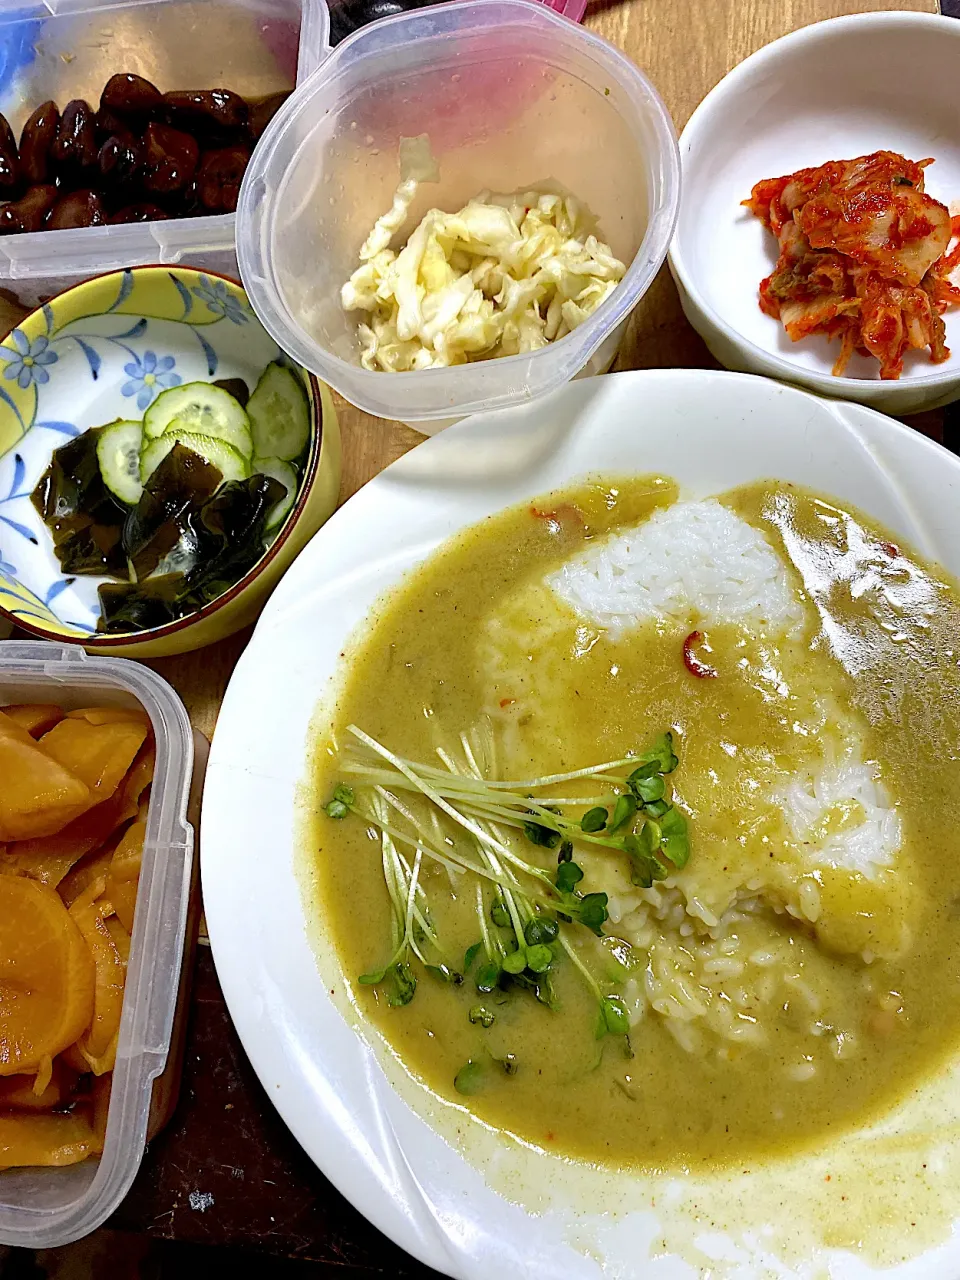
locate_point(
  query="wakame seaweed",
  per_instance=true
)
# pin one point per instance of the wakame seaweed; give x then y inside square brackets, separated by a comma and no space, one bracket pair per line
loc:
[84,518]
[172,499]
[170,519]
[139,606]
[231,528]
[237,388]
[209,537]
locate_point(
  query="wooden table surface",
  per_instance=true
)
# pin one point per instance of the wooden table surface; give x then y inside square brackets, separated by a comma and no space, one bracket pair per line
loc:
[226,1171]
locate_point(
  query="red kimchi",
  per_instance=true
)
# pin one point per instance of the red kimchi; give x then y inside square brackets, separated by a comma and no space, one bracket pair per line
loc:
[863,257]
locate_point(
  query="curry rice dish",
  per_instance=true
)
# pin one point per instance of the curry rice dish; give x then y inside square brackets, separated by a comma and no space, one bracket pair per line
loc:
[636,827]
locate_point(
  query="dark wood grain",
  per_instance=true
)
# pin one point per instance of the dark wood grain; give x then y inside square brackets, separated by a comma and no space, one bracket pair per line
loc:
[227,1169]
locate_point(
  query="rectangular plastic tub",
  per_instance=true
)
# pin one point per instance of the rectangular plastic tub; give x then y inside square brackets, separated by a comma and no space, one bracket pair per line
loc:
[65,49]
[43,1208]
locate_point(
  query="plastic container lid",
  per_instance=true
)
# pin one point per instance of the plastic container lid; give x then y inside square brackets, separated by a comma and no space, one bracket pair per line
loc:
[347,16]
[42,1208]
[572,9]
[511,96]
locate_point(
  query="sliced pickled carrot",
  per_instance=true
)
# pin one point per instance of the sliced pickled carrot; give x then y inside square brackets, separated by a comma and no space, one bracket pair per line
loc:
[110,715]
[98,1044]
[45,1140]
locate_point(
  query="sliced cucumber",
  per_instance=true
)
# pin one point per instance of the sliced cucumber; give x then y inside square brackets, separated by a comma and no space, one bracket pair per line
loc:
[204,410]
[118,453]
[282,471]
[279,415]
[230,464]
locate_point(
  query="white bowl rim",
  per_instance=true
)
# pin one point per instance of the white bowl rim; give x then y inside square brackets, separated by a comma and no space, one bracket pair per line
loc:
[827,384]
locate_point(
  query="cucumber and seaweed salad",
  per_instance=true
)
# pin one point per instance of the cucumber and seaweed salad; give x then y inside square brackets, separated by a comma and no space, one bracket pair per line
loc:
[178,507]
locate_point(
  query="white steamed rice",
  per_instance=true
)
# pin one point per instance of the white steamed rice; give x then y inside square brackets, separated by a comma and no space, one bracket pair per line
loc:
[862,846]
[692,561]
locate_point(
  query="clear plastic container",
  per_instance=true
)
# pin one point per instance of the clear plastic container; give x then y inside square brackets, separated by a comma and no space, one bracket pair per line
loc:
[43,1208]
[512,96]
[65,49]
[347,16]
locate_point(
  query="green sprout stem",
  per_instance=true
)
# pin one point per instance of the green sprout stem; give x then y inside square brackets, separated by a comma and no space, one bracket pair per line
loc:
[614,1019]
[432,794]
[372,774]
[536,908]
[516,904]
[449,860]
[484,927]
[468,802]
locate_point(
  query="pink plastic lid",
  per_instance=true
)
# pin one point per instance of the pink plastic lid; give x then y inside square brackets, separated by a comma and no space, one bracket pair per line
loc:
[572,9]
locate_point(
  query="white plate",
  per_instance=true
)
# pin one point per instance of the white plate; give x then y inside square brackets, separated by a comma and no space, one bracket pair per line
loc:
[461,1198]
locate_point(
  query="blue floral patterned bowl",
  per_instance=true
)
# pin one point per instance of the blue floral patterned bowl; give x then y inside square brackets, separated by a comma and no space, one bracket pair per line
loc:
[104,350]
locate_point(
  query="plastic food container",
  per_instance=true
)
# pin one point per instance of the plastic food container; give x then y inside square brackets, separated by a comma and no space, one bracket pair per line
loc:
[43,1208]
[511,96]
[347,16]
[65,49]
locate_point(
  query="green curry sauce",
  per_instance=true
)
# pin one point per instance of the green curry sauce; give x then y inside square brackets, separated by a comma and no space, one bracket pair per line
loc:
[882,959]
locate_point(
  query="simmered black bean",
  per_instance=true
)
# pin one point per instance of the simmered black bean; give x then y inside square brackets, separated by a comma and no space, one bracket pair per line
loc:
[201,109]
[9,159]
[263,111]
[129,94]
[219,178]
[35,143]
[75,146]
[138,213]
[29,212]
[169,159]
[78,209]
[119,160]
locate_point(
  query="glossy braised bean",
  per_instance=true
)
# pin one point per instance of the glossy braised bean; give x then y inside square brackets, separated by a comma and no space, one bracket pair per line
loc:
[141,156]
[219,178]
[169,159]
[109,125]
[130,94]
[29,212]
[187,202]
[35,143]
[78,209]
[203,109]
[75,146]
[9,158]
[138,213]
[263,111]
[119,160]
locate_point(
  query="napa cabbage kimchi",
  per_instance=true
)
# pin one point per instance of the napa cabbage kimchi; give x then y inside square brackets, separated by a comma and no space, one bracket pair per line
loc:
[863,257]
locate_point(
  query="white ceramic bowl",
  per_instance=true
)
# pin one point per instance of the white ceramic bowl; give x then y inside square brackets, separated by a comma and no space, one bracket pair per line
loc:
[463,1198]
[830,91]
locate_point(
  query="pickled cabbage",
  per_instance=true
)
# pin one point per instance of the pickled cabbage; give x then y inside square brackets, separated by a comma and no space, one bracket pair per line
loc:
[503,276]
